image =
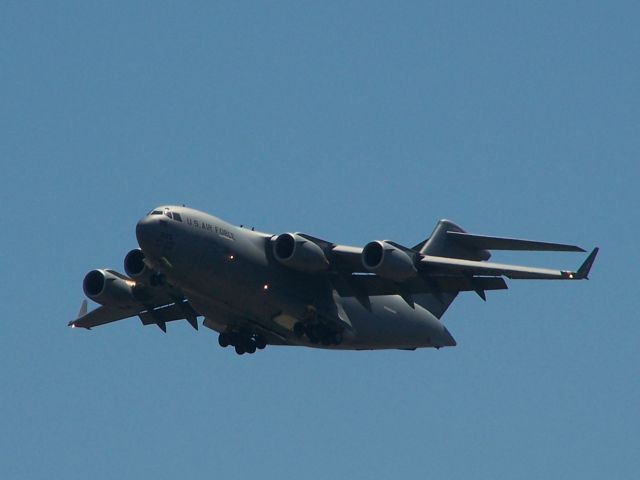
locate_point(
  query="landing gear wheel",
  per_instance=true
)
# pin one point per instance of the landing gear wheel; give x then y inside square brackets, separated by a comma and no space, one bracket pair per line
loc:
[223,340]
[240,349]
[251,347]
[298,329]
[312,333]
[260,342]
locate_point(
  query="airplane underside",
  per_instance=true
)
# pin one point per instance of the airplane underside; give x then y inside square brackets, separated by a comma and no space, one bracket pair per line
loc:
[368,330]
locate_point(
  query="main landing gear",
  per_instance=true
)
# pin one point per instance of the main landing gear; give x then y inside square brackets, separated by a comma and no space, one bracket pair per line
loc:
[318,333]
[243,342]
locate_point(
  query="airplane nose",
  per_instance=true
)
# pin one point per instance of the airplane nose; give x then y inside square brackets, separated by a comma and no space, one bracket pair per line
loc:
[145,231]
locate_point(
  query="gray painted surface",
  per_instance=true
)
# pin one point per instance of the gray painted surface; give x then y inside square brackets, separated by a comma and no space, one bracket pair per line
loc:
[256,288]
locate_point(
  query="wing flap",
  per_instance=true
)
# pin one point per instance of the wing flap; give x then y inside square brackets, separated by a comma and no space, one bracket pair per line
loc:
[373,285]
[149,315]
[167,313]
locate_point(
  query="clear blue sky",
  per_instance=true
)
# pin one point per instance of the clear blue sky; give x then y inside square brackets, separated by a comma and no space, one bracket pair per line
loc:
[351,121]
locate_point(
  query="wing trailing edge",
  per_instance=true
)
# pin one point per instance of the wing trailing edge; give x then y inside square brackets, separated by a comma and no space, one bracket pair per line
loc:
[158,315]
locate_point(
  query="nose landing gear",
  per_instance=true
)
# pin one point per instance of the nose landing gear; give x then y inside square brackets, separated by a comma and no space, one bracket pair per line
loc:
[243,342]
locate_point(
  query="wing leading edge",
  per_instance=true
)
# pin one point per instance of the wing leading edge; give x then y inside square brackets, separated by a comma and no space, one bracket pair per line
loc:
[430,263]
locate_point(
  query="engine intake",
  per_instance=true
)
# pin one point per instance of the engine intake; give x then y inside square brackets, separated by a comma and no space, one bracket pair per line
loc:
[134,264]
[298,253]
[387,261]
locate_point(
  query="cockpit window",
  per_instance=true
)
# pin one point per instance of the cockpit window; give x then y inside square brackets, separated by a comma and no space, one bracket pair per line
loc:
[167,213]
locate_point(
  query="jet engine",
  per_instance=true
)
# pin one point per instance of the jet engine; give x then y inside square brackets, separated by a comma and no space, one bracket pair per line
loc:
[134,264]
[135,267]
[298,253]
[387,261]
[107,288]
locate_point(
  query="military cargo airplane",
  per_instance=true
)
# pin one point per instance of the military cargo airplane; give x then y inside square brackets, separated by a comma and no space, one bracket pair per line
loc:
[256,289]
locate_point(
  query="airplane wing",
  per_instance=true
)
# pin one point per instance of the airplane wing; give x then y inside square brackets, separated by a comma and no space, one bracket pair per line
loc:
[100,316]
[430,263]
[373,285]
[149,315]
[446,274]
[346,258]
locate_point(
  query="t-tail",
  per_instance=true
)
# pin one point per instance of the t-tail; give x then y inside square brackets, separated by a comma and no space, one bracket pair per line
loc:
[450,252]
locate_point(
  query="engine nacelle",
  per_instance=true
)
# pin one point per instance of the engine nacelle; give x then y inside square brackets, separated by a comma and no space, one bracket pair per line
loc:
[300,254]
[134,265]
[387,261]
[106,288]
[144,277]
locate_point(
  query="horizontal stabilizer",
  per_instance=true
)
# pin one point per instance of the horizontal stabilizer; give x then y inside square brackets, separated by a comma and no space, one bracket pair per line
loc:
[483,242]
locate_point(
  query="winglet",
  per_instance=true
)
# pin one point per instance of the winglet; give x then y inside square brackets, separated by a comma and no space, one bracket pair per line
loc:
[83,308]
[81,313]
[583,271]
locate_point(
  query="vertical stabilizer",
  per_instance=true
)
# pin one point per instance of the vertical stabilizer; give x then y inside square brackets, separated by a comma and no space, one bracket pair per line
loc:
[439,244]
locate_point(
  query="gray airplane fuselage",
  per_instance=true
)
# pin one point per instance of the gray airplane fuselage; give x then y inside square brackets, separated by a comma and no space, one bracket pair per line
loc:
[230,276]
